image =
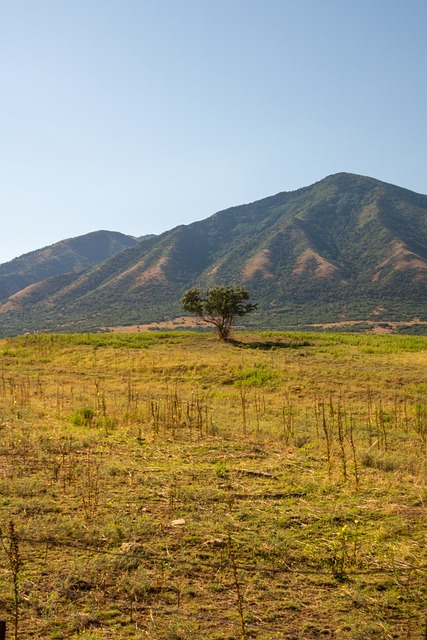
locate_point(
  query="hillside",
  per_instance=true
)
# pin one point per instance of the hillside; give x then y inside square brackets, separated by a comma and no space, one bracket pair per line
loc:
[71,255]
[347,247]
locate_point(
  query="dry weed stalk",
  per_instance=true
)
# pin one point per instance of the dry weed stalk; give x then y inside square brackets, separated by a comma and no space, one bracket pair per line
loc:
[15,564]
[90,487]
[238,587]
[288,417]
[243,403]
[353,450]
[327,431]
[341,437]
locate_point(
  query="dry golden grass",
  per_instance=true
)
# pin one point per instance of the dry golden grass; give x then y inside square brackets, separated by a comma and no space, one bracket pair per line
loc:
[171,486]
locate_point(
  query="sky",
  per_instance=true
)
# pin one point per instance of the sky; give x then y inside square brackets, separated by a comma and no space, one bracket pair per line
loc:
[141,115]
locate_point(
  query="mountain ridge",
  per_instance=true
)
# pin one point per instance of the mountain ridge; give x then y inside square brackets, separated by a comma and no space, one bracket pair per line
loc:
[65,256]
[348,245]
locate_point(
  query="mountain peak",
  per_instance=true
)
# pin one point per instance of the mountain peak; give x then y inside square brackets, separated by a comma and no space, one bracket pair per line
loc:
[346,247]
[70,255]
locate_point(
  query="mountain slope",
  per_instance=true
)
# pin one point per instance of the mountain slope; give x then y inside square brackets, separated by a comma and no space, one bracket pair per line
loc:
[345,247]
[71,255]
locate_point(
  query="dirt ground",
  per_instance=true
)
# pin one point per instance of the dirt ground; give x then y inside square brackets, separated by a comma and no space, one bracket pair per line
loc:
[187,322]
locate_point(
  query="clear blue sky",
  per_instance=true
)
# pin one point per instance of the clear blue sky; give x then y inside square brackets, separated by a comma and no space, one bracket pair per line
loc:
[139,115]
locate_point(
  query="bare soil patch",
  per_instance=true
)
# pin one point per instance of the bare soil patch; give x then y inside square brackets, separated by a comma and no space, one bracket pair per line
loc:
[187,322]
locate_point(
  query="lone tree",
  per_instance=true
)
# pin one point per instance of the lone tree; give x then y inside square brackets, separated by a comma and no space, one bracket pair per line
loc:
[220,306]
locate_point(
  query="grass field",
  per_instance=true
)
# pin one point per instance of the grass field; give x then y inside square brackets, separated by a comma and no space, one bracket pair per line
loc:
[175,487]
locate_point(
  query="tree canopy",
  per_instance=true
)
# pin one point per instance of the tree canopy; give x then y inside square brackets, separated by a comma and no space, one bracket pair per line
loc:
[219,306]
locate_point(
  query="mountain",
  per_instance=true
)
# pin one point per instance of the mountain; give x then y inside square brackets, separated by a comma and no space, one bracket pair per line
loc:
[347,247]
[72,255]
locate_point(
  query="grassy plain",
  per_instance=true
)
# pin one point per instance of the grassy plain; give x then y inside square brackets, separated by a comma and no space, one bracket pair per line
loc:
[173,487]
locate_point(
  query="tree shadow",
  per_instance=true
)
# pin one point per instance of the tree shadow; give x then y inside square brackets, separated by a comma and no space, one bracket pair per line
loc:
[268,345]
